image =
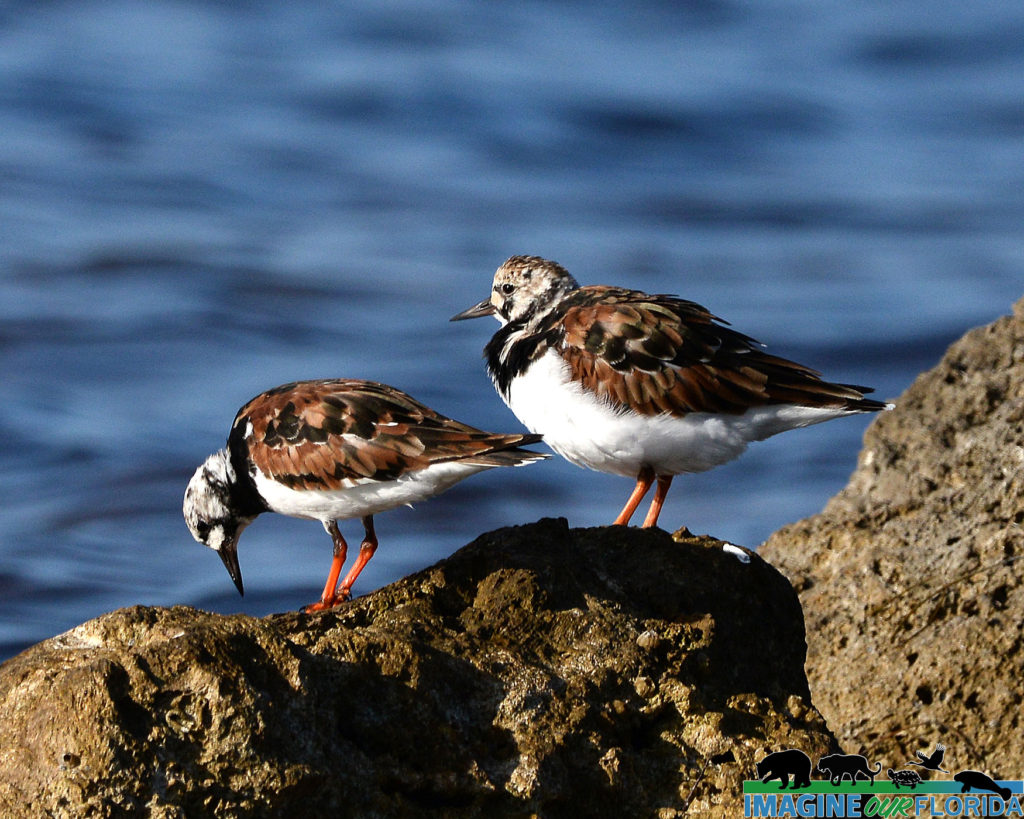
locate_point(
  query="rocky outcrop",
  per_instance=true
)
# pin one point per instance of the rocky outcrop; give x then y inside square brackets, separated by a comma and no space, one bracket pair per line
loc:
[911,578]
[545,671]
[538,671]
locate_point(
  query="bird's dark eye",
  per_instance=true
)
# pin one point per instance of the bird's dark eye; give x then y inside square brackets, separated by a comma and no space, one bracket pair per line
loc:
[203,529]
[508,289]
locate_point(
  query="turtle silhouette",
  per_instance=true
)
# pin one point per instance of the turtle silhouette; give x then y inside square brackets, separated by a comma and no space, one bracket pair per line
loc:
[908,779]
[932,762]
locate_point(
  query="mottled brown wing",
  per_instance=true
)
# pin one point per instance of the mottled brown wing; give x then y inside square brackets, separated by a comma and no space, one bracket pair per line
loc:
[660,354]
[327,434]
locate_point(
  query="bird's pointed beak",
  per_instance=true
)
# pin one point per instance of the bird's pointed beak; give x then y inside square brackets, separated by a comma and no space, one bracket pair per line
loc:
[484,308]
[229,555]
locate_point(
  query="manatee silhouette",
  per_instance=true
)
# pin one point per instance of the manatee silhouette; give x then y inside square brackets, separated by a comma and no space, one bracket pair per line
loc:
[976,780]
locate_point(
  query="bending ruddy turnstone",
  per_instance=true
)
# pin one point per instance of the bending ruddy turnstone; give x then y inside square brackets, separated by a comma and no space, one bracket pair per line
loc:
[643,386]
[332,450]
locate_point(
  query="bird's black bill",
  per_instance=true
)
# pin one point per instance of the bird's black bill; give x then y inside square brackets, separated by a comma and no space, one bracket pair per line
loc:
[484,308]
[229,554]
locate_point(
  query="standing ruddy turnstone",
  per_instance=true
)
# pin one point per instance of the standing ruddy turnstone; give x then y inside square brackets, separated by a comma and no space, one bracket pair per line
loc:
[332,450]
[644,386]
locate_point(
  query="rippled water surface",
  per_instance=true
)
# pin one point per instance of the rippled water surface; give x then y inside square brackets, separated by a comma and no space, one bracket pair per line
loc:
[200,201]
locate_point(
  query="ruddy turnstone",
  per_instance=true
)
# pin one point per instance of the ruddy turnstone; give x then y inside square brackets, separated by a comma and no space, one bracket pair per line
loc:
[332,450]
[645,386]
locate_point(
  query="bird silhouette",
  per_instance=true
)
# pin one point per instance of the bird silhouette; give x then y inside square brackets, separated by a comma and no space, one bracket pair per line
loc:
[933,762]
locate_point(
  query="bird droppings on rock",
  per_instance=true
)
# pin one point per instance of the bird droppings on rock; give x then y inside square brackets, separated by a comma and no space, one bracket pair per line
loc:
[741,554]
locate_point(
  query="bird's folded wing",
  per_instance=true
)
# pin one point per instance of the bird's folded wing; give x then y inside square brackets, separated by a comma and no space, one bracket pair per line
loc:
[660,354]
[335,433]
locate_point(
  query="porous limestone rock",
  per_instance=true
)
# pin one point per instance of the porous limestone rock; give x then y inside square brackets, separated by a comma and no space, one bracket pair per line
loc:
[912,578]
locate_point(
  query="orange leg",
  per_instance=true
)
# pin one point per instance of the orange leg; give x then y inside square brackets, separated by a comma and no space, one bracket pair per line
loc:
[643,484]
[329,598]
[664,482]
[366,550]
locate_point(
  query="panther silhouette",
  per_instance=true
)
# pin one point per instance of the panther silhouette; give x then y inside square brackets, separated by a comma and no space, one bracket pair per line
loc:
[839,766]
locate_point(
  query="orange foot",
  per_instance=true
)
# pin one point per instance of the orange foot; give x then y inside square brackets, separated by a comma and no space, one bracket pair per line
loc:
[329,603]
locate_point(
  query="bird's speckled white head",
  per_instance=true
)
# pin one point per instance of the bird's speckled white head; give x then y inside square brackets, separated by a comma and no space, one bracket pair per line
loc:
[524,285]
[209,513]
[524,288]
[207,500]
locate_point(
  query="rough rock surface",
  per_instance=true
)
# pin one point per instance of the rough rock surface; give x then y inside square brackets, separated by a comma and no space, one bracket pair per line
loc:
[911,578]
[538,671]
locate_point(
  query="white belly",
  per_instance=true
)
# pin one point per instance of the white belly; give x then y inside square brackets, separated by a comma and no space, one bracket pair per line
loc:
[367,497]
[589,432]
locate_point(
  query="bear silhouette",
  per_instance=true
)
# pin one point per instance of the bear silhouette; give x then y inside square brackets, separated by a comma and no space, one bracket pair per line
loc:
[978,781]
[782,765]
[838,766]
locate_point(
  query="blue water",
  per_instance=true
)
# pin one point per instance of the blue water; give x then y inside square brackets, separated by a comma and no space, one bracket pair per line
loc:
[199,201]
